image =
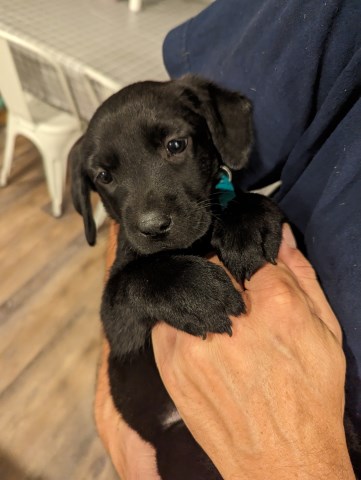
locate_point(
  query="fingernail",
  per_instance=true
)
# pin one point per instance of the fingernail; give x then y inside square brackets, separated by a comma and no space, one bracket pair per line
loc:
[288,236]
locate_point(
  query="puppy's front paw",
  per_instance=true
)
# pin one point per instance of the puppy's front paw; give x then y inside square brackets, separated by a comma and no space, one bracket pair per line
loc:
[249,235]
[207,301]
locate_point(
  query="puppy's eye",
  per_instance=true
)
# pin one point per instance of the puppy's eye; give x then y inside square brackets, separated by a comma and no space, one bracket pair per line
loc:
[176,145]
[104,177]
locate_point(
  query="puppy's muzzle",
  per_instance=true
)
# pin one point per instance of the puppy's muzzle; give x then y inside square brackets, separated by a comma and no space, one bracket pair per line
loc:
[154,224]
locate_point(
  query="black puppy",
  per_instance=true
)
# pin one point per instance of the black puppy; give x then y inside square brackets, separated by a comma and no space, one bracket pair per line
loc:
[153,152]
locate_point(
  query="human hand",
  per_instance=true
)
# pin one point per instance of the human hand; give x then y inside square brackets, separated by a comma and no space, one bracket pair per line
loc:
[267,402]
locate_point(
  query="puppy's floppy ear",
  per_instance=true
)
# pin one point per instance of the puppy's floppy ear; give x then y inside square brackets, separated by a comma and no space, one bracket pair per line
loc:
[228,116]
[80,190]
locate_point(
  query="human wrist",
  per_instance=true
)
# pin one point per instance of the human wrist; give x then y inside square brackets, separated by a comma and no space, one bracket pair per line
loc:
[331,462]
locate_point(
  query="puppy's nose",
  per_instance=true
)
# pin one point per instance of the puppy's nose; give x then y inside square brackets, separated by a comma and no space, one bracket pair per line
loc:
[154,223]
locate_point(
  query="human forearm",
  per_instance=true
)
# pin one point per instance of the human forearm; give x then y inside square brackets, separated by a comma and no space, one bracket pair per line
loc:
[324,462]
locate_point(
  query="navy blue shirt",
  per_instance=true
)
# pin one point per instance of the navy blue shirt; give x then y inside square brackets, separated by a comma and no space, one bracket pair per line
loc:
[299,61]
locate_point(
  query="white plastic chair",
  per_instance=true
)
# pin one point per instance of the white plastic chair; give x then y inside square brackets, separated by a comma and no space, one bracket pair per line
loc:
[51,125]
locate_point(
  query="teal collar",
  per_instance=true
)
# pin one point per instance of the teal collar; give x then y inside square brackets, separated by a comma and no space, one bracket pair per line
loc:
[225,187]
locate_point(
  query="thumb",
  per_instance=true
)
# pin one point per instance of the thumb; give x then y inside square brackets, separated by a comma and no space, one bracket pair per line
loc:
[307,279]
[164,338]
[288,237]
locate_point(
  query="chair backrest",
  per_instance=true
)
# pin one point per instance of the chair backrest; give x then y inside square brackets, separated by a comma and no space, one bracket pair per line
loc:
[27,69]
[90,89]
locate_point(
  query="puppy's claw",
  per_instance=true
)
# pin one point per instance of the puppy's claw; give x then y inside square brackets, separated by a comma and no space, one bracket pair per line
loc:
[204,336]
[241,280]
[229,330]
[248,276]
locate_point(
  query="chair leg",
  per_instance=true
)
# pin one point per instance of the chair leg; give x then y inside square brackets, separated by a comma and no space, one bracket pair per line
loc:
[9,150]
[100,215]
[55,150]
[54,178]
[135,5]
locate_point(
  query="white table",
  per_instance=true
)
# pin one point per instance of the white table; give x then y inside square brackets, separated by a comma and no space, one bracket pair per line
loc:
[102,35]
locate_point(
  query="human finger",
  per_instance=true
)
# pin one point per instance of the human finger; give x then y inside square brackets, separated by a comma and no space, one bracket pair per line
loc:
[164,338]
[307,279]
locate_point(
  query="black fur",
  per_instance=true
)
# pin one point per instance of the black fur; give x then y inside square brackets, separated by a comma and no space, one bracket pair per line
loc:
[163,196]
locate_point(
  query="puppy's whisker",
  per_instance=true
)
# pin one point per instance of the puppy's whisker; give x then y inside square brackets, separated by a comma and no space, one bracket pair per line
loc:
[205,201]
[203,205]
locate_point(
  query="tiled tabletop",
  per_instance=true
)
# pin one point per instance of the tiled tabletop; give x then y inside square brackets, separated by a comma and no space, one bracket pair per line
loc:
[101,34]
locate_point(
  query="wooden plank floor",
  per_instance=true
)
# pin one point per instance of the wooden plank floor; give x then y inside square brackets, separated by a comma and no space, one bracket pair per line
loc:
[50,287]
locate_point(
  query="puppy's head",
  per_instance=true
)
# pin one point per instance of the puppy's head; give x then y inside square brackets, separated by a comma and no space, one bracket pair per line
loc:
[152,151]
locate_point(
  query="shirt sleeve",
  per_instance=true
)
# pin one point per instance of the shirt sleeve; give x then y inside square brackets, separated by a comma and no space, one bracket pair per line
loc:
[299,62]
